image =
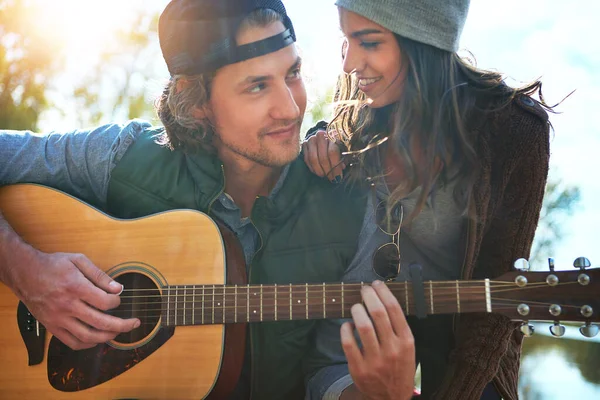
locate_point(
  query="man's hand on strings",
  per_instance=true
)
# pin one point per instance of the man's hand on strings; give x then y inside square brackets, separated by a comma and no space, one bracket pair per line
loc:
[67,293]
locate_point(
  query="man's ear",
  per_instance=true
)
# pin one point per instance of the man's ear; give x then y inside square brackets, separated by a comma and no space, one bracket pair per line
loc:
[201,112]
[181,84]
[198,112]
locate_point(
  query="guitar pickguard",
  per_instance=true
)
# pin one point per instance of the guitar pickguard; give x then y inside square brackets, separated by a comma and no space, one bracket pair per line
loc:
[71,371]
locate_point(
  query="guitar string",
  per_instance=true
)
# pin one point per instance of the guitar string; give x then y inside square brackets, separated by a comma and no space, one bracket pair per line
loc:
[242,317]
[317,307]
[356,284]
[268,306]
[332,288]
[353,298]
[449,291]
[450,296]
[346,285]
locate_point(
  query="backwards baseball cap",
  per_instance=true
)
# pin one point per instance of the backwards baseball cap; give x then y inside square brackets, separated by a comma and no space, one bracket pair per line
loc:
[198,36]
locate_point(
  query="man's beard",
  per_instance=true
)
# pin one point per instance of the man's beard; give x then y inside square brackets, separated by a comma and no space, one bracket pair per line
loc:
[268,156]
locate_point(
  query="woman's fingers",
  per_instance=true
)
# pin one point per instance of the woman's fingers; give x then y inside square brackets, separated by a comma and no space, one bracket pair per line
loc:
[323,157]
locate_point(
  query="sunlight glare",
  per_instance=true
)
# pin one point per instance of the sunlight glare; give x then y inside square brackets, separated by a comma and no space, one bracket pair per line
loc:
[79,27]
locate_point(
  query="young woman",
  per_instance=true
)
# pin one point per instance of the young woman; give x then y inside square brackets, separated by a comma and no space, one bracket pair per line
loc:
[458,163]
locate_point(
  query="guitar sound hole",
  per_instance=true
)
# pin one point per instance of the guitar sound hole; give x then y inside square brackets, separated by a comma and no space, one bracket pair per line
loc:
[140,299]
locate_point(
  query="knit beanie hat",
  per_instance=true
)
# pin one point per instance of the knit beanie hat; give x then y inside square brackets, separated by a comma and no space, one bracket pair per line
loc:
[438,23]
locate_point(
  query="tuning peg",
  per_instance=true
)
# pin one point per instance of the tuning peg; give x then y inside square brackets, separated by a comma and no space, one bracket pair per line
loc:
[582,263]
[551,264]
[557,329]
[521,264]
[589,330]
[527,329]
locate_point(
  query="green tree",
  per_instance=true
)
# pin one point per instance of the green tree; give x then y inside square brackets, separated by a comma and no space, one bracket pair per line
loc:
[560,202]
[28,62]
[31,59]
[117,85]
[319,109]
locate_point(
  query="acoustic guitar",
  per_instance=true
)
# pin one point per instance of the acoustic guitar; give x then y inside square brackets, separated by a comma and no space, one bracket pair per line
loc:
[184,278]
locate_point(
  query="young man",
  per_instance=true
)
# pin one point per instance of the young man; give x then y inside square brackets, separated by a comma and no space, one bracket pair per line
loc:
[231,113]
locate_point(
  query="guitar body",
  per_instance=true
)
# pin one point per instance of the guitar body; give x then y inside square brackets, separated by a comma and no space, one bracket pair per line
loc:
[171,248]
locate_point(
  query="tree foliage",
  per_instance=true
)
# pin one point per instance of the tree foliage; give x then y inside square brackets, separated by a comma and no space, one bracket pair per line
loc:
[28,62]
[560,202]
[117,85]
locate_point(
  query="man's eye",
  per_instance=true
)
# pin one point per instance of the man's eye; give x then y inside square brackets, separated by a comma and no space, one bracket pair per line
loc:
[259,87]
[370,45]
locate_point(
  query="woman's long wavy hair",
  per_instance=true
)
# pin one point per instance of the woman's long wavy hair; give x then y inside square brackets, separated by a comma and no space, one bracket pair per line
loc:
[444,97]
[184,93]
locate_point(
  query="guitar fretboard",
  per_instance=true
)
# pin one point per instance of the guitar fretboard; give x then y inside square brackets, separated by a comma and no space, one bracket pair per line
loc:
[219,304]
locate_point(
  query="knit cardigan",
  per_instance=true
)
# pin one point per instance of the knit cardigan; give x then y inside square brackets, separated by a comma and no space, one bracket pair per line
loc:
[513,150]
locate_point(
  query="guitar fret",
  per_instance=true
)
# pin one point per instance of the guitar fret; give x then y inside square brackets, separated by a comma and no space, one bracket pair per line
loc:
[235,306]
[275,316]
[176,292]
[306,290]
[261,301]
[431,296]
[190,307]
[290,301]
[254,295]
[248,303]
[213,306]
[223,310]
[202,304]
[168,303]
[324,302]
[343,304]
[194,305]
[184,301]
[457,298]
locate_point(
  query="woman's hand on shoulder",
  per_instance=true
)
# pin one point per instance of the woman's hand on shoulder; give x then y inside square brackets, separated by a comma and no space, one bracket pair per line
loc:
[324,157]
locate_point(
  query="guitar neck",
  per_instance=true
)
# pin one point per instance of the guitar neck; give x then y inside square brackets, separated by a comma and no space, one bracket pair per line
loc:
[218,304]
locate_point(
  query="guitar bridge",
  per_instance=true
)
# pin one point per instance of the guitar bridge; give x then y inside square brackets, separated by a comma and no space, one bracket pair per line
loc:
[33,334]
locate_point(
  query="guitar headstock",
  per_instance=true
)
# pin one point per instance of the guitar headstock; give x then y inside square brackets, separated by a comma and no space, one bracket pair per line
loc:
[551,295]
